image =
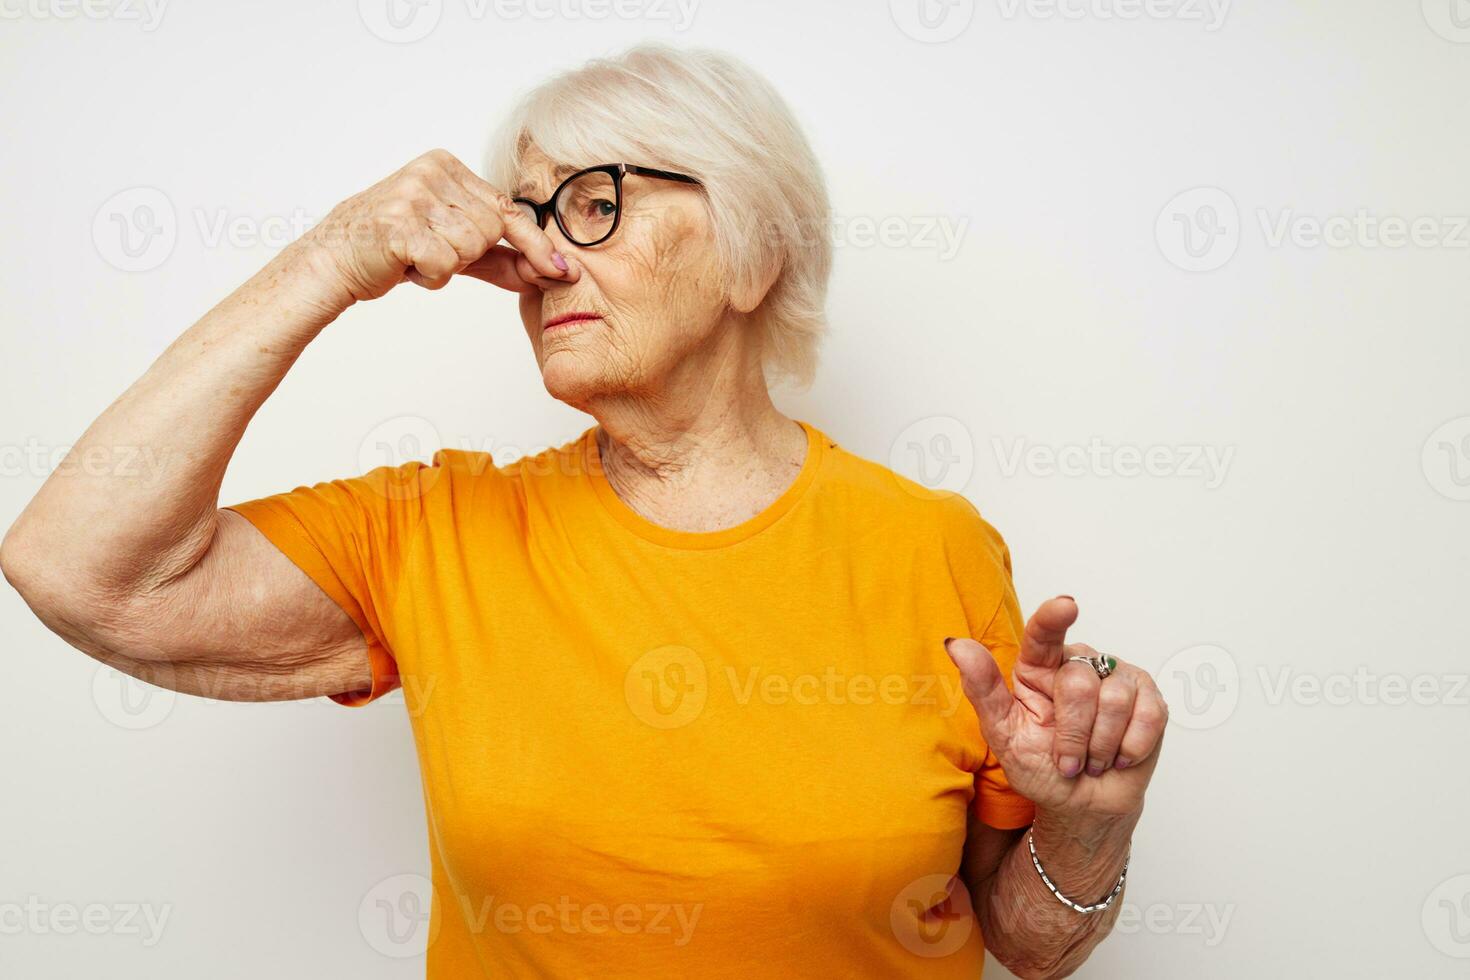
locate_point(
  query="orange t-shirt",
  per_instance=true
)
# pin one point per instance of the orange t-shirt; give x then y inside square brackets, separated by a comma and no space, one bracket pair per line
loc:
[656,753]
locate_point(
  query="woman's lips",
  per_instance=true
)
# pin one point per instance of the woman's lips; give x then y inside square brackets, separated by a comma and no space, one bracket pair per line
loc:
[570,318]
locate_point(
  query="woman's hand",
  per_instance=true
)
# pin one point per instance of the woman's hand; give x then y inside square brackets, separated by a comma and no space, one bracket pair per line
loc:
[431,220]
[1069,741]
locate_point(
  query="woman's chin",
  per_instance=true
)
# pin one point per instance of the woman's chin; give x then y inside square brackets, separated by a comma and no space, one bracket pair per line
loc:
[569,382]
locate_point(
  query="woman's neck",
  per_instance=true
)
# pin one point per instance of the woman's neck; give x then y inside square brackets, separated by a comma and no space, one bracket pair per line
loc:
[710,454]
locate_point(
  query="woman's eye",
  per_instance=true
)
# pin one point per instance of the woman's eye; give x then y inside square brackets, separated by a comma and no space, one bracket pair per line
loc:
[604,208]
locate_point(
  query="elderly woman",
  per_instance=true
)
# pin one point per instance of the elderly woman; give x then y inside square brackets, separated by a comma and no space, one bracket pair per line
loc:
[698,693]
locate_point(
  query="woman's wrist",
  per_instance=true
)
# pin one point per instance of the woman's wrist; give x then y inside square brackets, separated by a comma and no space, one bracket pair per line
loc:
[1083,853]
[305,278]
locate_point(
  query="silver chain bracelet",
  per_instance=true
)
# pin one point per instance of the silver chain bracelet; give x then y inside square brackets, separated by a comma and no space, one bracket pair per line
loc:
[1074,906]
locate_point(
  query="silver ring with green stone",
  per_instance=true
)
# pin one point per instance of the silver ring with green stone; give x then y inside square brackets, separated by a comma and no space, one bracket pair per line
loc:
[1102,663]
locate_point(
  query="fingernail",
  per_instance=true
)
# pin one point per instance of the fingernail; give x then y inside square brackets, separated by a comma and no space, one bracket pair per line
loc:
[1093,769]
[1071,765]
[1066,597]
[1122,763]
[947,640]
[559,260]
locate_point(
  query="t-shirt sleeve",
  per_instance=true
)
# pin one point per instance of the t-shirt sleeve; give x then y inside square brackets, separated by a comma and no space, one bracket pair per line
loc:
[353,537]
[981,563]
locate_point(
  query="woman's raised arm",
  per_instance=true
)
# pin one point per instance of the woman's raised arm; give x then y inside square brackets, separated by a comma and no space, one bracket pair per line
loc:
[141,569]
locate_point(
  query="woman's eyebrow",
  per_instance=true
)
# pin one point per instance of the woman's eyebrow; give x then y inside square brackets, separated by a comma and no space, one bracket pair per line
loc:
[524,186]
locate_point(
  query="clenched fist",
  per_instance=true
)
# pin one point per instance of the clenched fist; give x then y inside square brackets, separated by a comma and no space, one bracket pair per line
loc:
[428,222]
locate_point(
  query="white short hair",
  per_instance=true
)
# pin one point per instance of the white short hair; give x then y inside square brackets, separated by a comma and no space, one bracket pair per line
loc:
[705,114]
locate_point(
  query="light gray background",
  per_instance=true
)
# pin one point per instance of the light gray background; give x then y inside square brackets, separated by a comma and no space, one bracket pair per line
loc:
[1299,599]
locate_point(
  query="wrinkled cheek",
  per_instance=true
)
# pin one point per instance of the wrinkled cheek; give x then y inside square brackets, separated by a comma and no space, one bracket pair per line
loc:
[623,357]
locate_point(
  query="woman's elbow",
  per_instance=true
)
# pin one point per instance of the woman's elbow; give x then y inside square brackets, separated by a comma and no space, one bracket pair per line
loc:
[62,597]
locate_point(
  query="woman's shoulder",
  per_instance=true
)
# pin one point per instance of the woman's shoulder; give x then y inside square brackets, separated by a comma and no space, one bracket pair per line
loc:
[511,484]
[499,462]
[873,488]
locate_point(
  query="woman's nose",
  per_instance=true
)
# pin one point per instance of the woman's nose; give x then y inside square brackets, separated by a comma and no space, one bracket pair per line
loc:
[573,268]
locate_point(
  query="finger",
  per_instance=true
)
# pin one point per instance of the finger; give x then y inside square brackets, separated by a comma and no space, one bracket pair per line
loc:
[432,261]
[1046,632]
[480,202]
[442,203]
[1115,699]
[520,231]
[452,224]
[478,209]
[1074,695]
[528,272]
[1145,726]
[985,686]
[498,267]
[457,183]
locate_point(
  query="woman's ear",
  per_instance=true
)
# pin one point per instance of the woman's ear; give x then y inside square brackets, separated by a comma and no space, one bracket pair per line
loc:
[749,291]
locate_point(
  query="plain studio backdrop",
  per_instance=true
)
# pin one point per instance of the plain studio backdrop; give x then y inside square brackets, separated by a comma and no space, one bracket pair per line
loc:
[1175,290]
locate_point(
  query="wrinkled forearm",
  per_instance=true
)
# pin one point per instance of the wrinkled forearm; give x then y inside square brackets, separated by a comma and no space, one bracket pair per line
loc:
[1024,925]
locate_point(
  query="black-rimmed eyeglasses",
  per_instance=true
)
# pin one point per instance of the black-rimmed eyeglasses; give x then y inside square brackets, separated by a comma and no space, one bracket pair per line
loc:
[588,205]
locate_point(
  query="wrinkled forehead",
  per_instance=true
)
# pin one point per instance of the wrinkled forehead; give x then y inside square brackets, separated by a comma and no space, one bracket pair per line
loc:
[547,151]
[537,175]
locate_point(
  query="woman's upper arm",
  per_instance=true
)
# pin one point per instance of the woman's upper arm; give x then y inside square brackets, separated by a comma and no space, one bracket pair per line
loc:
[985,848]
[243,624]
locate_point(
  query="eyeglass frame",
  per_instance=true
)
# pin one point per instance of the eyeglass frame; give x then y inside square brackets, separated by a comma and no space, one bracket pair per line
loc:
[617,171]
